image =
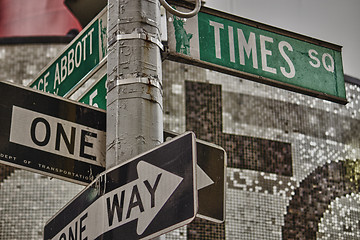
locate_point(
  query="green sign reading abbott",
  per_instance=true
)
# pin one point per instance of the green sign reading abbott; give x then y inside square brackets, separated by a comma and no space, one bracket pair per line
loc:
[259,52]
[83,54]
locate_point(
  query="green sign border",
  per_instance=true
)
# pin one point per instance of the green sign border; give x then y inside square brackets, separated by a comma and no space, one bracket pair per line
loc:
[84,53]
[334,92]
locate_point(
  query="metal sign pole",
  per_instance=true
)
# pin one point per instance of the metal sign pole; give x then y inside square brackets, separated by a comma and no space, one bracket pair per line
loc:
[134,85]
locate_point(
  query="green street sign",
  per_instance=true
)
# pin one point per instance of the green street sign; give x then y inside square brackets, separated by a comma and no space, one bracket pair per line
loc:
[96,94]
[258,52]
[82,55]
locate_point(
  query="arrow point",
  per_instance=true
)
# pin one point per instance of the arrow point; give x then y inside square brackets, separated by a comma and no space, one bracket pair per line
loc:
[166,186]
[203,180]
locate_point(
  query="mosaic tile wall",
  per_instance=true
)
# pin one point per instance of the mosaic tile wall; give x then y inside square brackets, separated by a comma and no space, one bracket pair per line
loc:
[20,63]
[293,160]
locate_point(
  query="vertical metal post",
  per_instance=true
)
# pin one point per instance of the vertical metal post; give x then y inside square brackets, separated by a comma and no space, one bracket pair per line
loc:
[134,95]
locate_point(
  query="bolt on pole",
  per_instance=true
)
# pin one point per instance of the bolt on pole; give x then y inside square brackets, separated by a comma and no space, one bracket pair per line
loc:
[134,87]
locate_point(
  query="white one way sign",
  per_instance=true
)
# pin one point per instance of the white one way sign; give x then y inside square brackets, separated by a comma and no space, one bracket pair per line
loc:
[143,198]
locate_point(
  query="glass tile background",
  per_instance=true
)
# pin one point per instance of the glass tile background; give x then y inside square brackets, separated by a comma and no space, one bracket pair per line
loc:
[293,160]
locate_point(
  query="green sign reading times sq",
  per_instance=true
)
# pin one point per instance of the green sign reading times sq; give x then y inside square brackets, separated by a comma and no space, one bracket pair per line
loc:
[258,52]
[82,55]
